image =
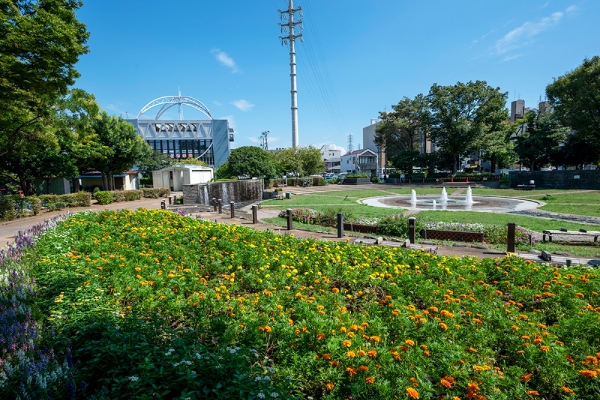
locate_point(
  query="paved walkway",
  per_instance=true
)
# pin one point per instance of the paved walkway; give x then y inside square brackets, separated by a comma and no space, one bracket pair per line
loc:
[9,230]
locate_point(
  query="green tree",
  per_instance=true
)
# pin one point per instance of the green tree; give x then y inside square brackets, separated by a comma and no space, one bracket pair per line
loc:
[311,161]
[462,114]
[40,43]
[537,145]
[124,147]
[251,161]
[401,131]
[576,100]
[305,160]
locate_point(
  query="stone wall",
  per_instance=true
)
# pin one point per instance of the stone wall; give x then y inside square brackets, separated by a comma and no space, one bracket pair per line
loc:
[570,179]
[240,192]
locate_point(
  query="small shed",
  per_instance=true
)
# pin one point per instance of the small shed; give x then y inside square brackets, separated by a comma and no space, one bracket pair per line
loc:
[175,176]
[127,180]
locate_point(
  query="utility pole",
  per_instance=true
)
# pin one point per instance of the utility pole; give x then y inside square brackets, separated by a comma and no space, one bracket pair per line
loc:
[290,25]
[265,143]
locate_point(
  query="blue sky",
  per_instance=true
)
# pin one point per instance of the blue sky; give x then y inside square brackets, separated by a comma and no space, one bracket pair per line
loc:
[359,57]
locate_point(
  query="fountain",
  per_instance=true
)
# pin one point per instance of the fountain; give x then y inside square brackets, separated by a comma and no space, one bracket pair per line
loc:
[468,203]
[469,196]
[444,198]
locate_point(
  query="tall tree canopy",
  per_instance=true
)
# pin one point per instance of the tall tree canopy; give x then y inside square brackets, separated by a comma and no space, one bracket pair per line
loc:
[576,100]
[461,114]
[305,160]
[539,144]
[124,147]
[40,42]
[249,161]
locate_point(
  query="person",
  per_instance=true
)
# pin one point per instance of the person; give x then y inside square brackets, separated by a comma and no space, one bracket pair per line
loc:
[284,179]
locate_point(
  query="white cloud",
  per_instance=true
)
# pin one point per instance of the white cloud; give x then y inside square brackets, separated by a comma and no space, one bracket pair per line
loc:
[243,105]
[225,60]
[513,57]
[572,8]
[526,33]
[218,103]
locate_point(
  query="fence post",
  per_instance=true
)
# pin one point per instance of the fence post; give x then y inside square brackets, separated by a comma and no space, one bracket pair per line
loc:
[289,219]
[254,214]
[412,222]
[340,225]
[510,239]
[174,199]
[162,205]
[214,202]
[170,201]
[232,209]
[220,205]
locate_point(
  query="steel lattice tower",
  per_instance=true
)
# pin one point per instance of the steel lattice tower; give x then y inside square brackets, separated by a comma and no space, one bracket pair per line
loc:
[289,15]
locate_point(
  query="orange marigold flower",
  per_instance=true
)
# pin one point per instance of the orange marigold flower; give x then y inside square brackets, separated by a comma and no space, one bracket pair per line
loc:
[361,353]
[370,380]
[320,336]
[327,356]
[545,349]
[412,393]
[446,383]
[526,377]
[346,343]
[372,353]
[374,339]
[533,393]
[472,350]
[334,363]
[335,290]
[268,328]
[443,326]
[410,343]
[350,354]
[363,368]
[566,390]
[351,371]
[589,373]
[330,386]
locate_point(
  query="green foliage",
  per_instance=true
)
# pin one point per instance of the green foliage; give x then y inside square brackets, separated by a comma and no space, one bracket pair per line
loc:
[401,131]
[250,161]
[575,97]
[462,114]
[155,193]
[542,139]
[125,147]
[58,202]
[357,176]
[302,160]
[104,197]
[139,359]
[313,310]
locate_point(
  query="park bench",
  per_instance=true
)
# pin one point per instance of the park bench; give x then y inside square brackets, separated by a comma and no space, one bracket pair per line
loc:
[525,187]
[564,232]
[529,186]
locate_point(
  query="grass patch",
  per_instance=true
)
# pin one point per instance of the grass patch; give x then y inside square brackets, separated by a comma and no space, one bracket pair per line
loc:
[299,225]
[592,210]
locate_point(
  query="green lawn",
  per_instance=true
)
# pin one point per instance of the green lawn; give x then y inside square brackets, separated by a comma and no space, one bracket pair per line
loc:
[577,209]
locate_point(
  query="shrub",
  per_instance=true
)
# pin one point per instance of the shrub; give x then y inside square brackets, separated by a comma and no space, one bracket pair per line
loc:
[82,199]
[357,176]
[155,193]
[131,195]
[118,196]
[104,197]
[146,182]
[49,201]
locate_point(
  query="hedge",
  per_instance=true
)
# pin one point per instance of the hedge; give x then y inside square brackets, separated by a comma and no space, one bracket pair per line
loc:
[155,193]
[14,206]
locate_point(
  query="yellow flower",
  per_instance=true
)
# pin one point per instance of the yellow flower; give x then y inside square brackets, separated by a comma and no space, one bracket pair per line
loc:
[330,386]
[346,343]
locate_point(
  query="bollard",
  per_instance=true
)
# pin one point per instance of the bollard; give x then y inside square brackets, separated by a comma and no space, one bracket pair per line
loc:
[170,201]
[214,203]
[412,223]
[569,263]
[254,214]
[174,199]
[220,206]
[510,239]
[162,205]
[20,233]
[340,225]
[289,219]
[232,209]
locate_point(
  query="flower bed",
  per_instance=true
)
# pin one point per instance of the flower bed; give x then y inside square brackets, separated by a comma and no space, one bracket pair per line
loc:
[340,320]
